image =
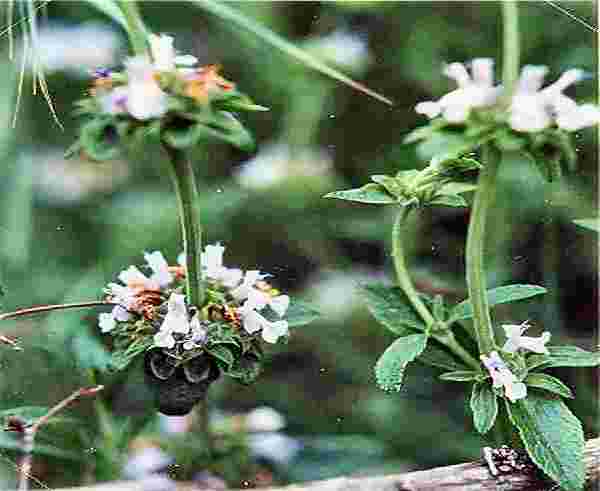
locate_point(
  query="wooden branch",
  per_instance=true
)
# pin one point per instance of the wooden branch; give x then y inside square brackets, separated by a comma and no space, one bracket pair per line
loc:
[473,476]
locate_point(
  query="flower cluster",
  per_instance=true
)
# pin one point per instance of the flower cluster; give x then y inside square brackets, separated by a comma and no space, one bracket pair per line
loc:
[150,311]
[165,96]
[531,108]
[501,374]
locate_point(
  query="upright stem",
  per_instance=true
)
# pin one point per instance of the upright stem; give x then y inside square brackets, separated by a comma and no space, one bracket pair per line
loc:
[135,27]
[444,336]
[484,197]
[182,176]
[510,55]
[402,275]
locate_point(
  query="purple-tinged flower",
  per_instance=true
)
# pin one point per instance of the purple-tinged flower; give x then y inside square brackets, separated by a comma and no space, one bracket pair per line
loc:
[503,377]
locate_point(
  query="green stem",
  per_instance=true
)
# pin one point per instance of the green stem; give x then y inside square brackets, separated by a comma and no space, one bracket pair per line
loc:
[444,336]
[184,181]
[402,275]
[484,197]
[136,31]
[203,423]
[510,55]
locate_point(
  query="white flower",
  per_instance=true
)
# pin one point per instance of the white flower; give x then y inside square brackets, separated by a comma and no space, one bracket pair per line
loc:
[106,322]
[534,109]
[159,267]
[503,377]
[123,295]
[198,334]
[257,300]
[176,319]
[212,263]
[474,91]
[120,313]
[145,99]
[264,419]
[515,339]
[250,279]
[164,55]
[271,331]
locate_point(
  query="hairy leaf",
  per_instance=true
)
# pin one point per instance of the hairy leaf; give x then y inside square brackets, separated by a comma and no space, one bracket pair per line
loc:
[392,309]
[548,382]
[437,357]
[564,356]
[389,370]
[553,437]
[484,405]
[496,296]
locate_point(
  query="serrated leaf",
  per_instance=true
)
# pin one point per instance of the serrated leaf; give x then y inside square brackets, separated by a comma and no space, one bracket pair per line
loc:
[549,383]
[389,370]
[496,296]
[437,357]
[553,438]
[453,200]
[392,309]
[222,355]
[484,405]
[371,193]
[564,356]
[589,223]
[461,376]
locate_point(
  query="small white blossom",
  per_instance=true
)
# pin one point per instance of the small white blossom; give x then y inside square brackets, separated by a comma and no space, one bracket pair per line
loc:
[164,55]
[160,268]
[534,109]
[250,279]
[134,278]
[503,377]
[271,331]
[516,340]
[123,295]
[164,339]
[474,91]
[257,300]
[145,99]
[120,313]
[176,319]
[198,334]
[106,322]
[115,101]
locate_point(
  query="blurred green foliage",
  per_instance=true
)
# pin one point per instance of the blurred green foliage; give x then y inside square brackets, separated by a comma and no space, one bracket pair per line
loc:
[66,228]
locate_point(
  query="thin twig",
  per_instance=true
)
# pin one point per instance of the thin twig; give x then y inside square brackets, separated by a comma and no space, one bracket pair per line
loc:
[48,308]
[30,432]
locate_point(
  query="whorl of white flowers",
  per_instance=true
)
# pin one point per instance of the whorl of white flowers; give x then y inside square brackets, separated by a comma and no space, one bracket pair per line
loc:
[531,108]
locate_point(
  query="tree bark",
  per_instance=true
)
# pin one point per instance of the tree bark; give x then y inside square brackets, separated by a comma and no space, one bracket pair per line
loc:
[473,476]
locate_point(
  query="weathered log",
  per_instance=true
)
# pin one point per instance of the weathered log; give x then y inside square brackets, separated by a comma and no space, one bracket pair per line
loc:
[473,476]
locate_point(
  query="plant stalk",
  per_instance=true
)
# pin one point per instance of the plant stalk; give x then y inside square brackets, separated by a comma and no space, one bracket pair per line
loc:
[136,30]
[402,274]
[184,182]
[510,45]
[484,197]
[403,277]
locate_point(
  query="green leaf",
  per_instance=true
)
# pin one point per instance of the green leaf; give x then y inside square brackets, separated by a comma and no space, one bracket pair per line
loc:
[231,15]
[373,194]
[564,356]
[99,139]
[453,200]
[548,382]
[446,145]
[451,188]
[389,370]
[461,376]
[391,184]
[300,313]
[223,355]
[589,223]
[553,437]
[496,296]
[122,357]
[484,405]
[425,132]
[392,309]
[90,353]
[111,9]
[437,357]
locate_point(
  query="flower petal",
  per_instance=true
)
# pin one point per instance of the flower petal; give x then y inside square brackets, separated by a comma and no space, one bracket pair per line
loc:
[272,331]
[106,322]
